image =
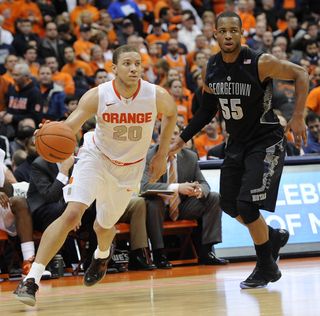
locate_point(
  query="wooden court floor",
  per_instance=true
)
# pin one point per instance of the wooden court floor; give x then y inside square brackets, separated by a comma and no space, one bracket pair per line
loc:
[181,291]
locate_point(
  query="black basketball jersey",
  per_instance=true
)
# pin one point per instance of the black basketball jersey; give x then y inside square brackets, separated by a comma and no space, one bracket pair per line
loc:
[245,102]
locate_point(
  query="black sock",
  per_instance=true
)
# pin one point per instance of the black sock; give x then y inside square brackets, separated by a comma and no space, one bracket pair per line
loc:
[264,253]
[157,255]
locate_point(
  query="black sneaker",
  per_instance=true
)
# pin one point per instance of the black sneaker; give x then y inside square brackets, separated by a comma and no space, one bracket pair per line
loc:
[97,269]
[280,240]
[25,292]
[261,276]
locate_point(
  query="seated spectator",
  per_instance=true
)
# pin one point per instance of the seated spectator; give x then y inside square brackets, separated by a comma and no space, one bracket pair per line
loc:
[85,18]
[52,95]
[106,26]
[313,124]
[26,128]
[146,61]
[208,139]
[162,68]
[27,9]
[100,76]
[30,56]
[248,19]
[135,215]
[255,42]
[9,63]
[190,57]
[48,11]
[158,36]
[45,197]
[71,102]
[192,200]
[6,10]
[267,42]
[22,173]
[18,158]
[173,31]
[181,121]
[52,45]
[183,105]
[102,40]
[5,50]
[98,61]
[16,214]
[210,40]
[5,35]
[126,31]
[24,101]
[66,35]
[82,6]
[73,64]
[21,39]
[82,46]
[311,53]
[200,61]
[63,79]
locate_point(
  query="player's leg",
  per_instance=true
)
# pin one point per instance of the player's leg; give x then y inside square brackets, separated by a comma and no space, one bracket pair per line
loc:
[52,240]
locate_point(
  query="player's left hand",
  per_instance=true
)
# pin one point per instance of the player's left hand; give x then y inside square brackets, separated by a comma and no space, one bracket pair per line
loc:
[157,167]
[4,200]
[77,227]
[299,130]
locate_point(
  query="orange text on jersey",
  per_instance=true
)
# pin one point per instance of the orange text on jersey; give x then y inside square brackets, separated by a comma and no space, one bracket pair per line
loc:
[127,117]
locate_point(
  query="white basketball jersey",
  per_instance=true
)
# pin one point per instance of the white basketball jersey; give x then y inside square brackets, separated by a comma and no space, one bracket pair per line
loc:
[124,126]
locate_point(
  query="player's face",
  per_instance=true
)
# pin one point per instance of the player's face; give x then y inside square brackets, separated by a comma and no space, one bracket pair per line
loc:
[228,34]
[128,68]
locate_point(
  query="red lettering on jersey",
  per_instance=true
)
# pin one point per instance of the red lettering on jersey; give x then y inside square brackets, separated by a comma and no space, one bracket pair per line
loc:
[114,118]
[131,117]
[106,117]
[123,118]
[140,118]
[148,117]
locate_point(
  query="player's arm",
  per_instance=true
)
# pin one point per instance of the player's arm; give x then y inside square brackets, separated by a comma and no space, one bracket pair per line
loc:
[166,106]
[202,117]
[87,106]
[271,67]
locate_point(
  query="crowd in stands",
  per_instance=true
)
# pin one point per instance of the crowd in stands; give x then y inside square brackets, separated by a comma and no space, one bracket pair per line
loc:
[52,52]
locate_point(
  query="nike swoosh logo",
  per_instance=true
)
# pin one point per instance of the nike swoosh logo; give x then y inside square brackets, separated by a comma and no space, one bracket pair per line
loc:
[108,104]
[104,267]
[129,190]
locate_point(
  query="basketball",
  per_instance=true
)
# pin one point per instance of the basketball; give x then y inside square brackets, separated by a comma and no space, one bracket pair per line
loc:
[55,142]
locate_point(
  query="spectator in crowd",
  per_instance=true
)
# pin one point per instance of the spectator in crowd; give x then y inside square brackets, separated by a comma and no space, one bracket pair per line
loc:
[278,52]
[315,77]
[282,42]
[6,36]
[61,78]
[126,31]
[82,6]
[24,101]
[6,11]
[173,31]
[107,27]
[183,105]
[5,51]
[102,40]
[73,64]
[52,45]
[71,102]
[158,36]
[248,19]
[311,53]
[200,44]
[194,199]
[98,61]
[164,18]
[30,56]
[82,46]
[48,11]
[4,86]
[271,14]
[162,67]
[9,63]
[210,41]
[22,173]
[255,42]
[208,139]
[313,102]
[18,158]
[66,35]
[200,60]
[27,9]
[52,95]
[181,121]
[120,10]
[189,31]
[176,60]
[267,42]
[100,76]
[26,128]
[313,124]
[146,61]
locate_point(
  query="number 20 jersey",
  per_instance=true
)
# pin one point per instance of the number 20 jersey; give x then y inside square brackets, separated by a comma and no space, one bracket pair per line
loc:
[124,126]
[245,102]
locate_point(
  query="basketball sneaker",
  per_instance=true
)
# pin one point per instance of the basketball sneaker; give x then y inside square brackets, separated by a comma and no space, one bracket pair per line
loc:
[26,266]
[97,269]
[261,276]
[278,240]
[26,292]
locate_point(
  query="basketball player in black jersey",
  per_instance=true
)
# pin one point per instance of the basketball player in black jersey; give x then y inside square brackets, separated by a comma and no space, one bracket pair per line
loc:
[239,81]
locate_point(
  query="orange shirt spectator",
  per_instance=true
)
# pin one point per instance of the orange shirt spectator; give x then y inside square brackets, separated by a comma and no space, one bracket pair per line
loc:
[203,144]
[65,80]
[8,78]
[163,37]
[4,85]
[6,11]
[180,63]
[106,66]
[26,9]
[80,46]
[176,19]
[145,6]
[313,100]
[80,8]
[71,68]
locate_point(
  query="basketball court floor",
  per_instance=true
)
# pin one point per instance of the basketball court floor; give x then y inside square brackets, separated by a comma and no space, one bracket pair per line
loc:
[181,291]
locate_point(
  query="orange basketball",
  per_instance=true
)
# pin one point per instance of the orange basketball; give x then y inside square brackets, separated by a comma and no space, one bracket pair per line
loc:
[55,142]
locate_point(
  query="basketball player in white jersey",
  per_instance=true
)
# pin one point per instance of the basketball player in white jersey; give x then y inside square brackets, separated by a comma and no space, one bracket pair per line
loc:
[111,162]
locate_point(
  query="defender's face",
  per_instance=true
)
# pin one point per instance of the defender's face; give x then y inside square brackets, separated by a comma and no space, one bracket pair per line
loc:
[228,34]
[128,68]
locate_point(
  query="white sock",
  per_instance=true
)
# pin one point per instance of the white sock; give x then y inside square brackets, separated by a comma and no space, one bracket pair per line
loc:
[27,249]
[98,254]
[36,272]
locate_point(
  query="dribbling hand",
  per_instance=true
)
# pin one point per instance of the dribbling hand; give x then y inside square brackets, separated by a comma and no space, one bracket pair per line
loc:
[40,126]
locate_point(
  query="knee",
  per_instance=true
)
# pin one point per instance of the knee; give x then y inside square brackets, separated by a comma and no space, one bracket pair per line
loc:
[249,212]
[19,205]
[71,216]
[155,204]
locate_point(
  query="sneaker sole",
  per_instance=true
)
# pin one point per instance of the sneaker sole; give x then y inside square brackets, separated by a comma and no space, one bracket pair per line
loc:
[26,300]
[244,286]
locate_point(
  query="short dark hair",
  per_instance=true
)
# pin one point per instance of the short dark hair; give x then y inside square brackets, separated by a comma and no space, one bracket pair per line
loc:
[196,54]
[63,28]
[123,49]
[171,82]
[98,71]
[312,117]
[228,14]
[28,47]
[69,47]
[164,11]
[70,97]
